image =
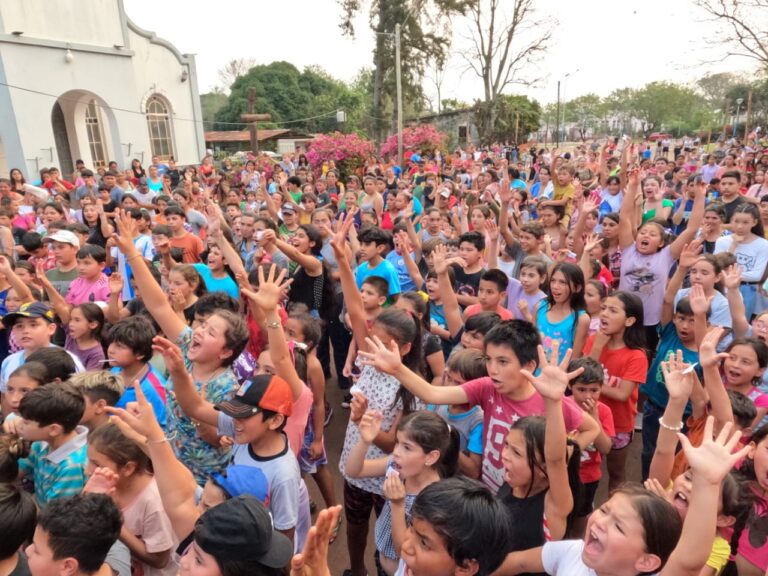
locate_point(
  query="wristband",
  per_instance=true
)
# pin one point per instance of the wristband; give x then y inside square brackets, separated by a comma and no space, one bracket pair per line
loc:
[670,428]
[161,441]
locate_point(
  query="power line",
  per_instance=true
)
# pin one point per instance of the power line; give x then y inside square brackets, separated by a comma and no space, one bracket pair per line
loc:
[175,118]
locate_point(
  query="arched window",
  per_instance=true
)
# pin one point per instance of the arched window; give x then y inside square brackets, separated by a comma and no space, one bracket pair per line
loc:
[95,134]
[159,122]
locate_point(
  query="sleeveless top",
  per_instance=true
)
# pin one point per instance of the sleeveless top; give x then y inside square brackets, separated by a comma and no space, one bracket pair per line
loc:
[528,523]
[562,331]
[308,290]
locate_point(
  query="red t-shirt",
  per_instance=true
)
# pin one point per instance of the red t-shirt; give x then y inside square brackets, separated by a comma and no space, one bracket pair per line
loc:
[589,471]
[191,245]
[499,413]
[473,309]
[622,364]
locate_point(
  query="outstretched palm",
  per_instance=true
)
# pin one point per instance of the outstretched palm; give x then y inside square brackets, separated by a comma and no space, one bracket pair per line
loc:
[553,379]
[270,289]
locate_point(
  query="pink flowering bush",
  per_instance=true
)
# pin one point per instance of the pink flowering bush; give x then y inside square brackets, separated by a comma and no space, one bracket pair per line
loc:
[349,151]
[423,139]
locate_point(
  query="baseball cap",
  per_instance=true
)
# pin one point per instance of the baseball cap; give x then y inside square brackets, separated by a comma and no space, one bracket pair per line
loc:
[65,237]
[238,480]
[262,392]
[241,529]
[29,310]
[288,207]
[445,193]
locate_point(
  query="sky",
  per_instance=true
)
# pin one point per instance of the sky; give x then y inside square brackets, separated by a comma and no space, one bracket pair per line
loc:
[597,47]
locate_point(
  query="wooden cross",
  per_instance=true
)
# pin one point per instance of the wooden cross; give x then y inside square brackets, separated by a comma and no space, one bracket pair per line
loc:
[251,118]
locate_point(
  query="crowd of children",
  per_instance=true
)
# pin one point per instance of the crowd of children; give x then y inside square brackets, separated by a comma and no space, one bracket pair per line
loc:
[500,328]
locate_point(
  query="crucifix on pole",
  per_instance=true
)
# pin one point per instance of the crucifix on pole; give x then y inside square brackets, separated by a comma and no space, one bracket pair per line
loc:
[251,118]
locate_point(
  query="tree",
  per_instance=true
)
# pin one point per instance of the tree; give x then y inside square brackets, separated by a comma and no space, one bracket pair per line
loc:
[233,70]
[586,112]
[305,101]
[715,87]
[514,119]
[505,40]
[667,106]
[451,104]
[425,36]
[211,103]
[745,27]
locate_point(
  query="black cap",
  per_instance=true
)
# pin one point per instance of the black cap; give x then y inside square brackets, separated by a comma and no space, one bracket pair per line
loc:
[29,310]
[241,529]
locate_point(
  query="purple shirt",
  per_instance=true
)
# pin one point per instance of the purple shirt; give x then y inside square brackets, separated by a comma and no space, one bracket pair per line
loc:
[646,276]
[515,293]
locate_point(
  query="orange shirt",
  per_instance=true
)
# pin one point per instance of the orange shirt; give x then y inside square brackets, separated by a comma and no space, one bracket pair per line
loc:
[191,245]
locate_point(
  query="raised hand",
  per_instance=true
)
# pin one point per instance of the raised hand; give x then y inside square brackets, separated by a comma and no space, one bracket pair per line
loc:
[370,425]
[492,230]
[383,358]
[174,360]
[115,283]
[270,290]
[339,240]
[708,355]
[732,277]
[358,406]
[592,242]
[653,485]
[715,457]
[553,379]
[102,481]
[678,377]
[5,265]
[313,561]
[126,230]
[690,253]
[213,213]
[698,300]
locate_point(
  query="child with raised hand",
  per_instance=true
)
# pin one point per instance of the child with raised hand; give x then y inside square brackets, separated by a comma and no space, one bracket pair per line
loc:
[638,532]
[376,390]
[117,466]
[540,477]
[647,259]
[734,505]
[586,389]
[619,346]
[209,351]
[255,418]
[426,450]
[505,395]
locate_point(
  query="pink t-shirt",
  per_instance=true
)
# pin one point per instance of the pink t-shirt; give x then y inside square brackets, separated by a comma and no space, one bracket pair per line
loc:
[297,421]
[81,291]
[146,518]
[499,413]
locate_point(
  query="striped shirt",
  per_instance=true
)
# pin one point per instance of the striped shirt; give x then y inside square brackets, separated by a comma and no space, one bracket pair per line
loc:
[57,474]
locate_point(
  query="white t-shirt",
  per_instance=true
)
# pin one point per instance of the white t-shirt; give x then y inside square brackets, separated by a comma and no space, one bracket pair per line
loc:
[563,558]
[752,257]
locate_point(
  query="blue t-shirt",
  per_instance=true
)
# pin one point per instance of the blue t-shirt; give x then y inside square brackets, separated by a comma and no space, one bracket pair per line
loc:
[385,270]
[397,260]
[669,343]
[563,331]
[148,383]
[212,284]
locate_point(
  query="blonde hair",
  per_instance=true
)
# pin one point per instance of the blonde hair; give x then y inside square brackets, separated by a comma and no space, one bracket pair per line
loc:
[99,385]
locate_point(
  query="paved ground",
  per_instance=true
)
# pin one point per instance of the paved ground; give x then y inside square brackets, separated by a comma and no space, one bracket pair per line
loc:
[334,434]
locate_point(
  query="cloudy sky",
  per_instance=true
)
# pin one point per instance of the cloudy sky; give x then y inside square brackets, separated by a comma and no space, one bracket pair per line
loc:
[603,44]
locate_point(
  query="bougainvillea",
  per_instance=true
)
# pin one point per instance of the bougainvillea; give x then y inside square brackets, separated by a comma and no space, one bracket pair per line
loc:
[349,151]
[423,139]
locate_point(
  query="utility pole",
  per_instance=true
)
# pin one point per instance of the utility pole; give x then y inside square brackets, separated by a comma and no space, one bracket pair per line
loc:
[747,118]
[252,118]
[398,80]
[557,118]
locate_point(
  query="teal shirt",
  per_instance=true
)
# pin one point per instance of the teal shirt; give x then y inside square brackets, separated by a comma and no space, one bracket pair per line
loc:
[57,474]
[225,284]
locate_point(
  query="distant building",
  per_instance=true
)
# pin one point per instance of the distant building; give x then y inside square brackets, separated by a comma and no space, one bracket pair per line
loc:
[80,80]
[458,124]
[282,140]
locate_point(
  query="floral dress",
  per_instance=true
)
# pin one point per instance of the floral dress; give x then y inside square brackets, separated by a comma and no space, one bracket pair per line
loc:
[194,452]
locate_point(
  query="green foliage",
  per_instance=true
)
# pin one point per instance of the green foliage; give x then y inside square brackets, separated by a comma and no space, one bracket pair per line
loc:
[451,104]
[288,95]
[211,103]
[515,116]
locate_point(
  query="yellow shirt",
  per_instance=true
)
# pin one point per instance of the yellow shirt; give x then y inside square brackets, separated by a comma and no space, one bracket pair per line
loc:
[721,551]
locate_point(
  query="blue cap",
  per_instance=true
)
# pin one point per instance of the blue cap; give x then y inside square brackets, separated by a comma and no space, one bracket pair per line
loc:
[239,479]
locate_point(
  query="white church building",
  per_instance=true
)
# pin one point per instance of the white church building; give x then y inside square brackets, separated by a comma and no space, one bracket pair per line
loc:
[80,80]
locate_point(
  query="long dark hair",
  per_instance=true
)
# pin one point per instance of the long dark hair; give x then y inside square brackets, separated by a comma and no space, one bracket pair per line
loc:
[575,278]
[752,210]
[405,328]
[431,432]
[737,501]
[634,336]
[533,429]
